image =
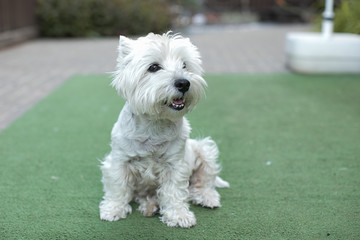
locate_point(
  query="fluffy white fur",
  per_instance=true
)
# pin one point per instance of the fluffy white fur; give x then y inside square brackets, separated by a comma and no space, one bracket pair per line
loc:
[153,161]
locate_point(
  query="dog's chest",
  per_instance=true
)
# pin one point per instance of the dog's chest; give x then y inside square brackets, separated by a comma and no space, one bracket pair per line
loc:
[147,170]
[138,137]
[155,161]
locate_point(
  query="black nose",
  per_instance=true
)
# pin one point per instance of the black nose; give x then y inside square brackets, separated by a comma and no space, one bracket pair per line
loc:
[182,85]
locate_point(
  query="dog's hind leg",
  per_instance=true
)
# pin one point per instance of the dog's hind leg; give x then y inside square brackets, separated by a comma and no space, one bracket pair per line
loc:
[148,205]
[203,155]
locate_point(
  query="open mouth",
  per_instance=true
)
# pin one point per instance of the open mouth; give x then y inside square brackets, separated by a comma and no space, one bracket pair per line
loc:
[177,104]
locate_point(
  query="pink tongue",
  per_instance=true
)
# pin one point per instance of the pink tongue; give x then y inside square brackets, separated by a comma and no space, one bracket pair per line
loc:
[178,101]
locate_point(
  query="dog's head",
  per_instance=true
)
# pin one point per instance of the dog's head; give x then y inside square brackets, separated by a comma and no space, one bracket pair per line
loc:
[159,75]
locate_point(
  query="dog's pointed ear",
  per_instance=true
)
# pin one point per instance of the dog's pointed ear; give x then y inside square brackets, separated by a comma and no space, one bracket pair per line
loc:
[125,46]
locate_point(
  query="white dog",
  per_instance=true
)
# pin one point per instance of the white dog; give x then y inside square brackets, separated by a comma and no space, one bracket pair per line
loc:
[153,162]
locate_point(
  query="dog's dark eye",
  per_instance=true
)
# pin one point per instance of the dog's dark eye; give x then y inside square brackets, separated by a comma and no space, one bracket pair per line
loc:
[184,65]
[154,68]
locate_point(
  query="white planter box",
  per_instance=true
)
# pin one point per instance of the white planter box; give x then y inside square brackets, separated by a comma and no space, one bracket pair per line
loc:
[313,53]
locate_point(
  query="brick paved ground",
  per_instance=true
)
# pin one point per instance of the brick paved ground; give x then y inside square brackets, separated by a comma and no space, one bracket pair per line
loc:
[30,71]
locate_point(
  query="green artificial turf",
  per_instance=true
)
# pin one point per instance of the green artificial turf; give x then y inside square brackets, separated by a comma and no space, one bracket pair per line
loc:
[290,148]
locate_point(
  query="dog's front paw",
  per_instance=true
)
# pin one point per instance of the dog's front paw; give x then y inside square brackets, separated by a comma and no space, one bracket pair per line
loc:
[113,211]
[179,218]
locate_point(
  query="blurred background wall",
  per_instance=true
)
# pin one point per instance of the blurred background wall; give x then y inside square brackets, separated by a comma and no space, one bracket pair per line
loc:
[17,21]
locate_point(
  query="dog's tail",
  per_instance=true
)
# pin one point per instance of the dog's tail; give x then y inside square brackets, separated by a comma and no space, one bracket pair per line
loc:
[220,183]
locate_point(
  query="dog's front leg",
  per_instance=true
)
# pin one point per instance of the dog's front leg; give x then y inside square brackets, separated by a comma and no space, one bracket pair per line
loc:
[118,188]
[173,196]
